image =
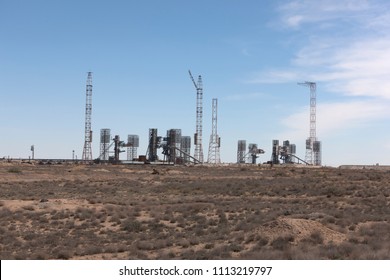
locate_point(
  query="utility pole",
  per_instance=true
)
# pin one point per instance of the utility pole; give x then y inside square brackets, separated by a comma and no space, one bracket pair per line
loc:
[87,151]
[199,115]
[215,141]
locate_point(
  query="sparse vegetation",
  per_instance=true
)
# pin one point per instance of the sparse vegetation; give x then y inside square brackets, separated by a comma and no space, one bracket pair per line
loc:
[14,170]
[144,212]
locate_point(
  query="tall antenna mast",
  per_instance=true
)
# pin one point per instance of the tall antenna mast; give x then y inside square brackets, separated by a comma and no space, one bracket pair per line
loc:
[199,115]
[87,151]
[215,142]
[313,147]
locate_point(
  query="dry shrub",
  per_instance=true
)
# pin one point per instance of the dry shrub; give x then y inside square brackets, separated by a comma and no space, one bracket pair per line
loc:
[282,242]
[131,225]
[315,238]
[28,207]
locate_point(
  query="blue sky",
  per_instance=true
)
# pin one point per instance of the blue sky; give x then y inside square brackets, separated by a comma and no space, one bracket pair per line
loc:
[251,55]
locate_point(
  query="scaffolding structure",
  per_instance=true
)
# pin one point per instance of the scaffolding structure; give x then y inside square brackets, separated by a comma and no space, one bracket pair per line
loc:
[173,145]
[275,152]
[153,145]
[215,140]
[87,150]
[317,152]
[241,151]
[287,152]
[312,156]
[105,138]
[199,116]
[186,148]
[132,146]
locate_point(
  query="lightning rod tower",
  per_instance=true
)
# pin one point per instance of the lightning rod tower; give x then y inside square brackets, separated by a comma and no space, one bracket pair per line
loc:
[87,151]
[313,147]
[199,115]
[215,141]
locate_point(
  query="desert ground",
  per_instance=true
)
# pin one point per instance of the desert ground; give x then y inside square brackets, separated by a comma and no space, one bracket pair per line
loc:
[77,211]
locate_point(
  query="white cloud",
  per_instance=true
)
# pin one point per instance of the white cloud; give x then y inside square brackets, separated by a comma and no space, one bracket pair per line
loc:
[296,13]
[354,63]
[344,46]
[276,76]
[336,116]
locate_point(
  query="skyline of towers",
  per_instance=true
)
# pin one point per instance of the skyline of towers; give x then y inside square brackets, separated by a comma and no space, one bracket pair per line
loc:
[313,146]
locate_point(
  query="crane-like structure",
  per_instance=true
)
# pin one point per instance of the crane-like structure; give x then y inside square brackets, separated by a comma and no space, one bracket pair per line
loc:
[313,147]
[199,115]
[215,140]
[87,151]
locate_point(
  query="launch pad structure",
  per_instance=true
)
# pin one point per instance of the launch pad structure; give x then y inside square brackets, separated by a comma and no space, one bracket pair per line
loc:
[176,149]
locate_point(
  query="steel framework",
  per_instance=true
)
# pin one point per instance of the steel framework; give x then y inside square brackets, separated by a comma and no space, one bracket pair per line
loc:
[153,145]
[87,151]
[132,146]
[215,141]
[186,148]
[313,151]
[105,138]
[241,151]
[199,115]
[173,145]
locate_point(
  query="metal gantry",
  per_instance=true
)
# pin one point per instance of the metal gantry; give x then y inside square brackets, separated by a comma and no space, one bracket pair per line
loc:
[132,146]
[87,151]
[215,141]
[241,151]
[105,139]
[199,115]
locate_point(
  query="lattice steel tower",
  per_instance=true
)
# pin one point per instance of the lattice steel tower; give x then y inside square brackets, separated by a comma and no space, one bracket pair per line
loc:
[313,147]
[215,141]
[87,151]
[199,115]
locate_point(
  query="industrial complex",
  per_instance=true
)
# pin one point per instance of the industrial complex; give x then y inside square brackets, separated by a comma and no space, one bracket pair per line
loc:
[176,148]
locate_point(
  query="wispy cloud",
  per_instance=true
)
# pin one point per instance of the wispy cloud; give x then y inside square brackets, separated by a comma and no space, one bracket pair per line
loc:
[353,63]
[347,52]
[336,116]
[296,13]
[276,76]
